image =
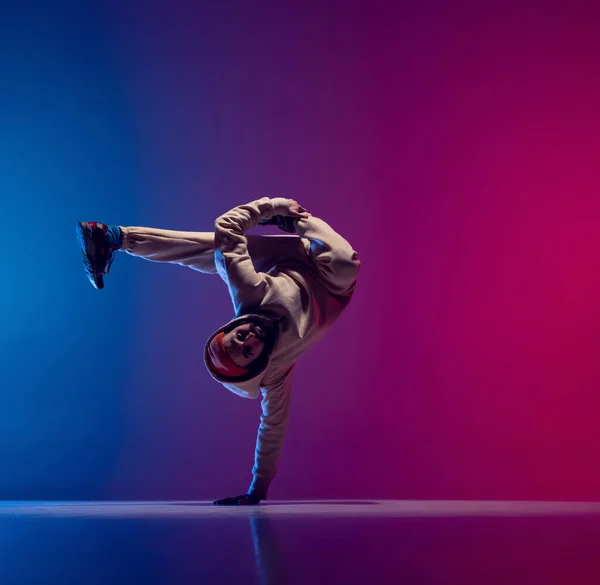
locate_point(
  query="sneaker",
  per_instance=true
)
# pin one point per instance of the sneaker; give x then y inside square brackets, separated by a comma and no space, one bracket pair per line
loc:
[96,252]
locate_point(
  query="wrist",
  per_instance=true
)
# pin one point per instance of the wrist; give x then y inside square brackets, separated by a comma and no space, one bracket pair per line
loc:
[281,206]
[259,487]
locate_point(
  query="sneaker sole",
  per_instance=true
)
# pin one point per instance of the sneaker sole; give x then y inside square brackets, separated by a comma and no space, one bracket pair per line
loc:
[85,235]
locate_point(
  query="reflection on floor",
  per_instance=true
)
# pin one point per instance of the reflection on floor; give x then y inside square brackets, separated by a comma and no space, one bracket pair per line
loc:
[308,543]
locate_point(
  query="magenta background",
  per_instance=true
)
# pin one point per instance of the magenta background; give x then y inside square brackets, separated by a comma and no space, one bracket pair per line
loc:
[454,144]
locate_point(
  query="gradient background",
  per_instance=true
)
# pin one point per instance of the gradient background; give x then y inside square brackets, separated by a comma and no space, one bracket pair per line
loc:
[454,144]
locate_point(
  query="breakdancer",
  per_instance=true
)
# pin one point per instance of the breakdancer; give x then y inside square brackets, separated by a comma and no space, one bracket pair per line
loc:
[287,290]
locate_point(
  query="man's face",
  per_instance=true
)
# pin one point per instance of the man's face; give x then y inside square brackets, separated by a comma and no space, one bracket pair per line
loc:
[244,343]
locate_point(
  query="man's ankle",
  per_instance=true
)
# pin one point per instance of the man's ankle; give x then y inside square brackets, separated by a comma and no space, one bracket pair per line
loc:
[114,235]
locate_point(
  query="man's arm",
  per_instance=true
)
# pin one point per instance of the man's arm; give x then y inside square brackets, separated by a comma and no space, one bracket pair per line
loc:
[333,255]
[233,262]
[271,432]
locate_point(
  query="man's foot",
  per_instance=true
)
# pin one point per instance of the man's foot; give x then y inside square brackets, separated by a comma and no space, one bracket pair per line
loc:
[97,252]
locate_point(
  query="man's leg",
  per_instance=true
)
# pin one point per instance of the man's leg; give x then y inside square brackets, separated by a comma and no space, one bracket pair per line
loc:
[193,249]
[196,249]
[99,242]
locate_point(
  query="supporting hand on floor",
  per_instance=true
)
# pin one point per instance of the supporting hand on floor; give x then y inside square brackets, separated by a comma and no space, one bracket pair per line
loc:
[243,500]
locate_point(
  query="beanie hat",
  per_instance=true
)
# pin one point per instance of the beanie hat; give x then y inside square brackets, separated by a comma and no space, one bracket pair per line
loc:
[220,360]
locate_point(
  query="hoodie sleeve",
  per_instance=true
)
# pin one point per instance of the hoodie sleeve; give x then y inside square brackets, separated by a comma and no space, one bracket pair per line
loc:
[234,264]
[334,257]
[273,423]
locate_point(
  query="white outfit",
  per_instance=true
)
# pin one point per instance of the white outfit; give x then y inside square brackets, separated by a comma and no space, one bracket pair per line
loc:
[308,279]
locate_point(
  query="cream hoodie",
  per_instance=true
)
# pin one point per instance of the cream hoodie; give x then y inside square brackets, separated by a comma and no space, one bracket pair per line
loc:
[309,286]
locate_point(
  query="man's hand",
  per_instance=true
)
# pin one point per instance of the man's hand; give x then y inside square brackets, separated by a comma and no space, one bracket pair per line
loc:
[243,500]
[296,210]
[288,208]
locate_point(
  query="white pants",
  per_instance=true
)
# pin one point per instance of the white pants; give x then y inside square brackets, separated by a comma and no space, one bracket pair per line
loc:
[196,249]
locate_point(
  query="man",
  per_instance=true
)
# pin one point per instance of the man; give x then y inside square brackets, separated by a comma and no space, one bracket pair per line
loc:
[286,290]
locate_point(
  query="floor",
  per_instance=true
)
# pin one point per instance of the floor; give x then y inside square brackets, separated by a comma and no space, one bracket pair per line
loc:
[300,543]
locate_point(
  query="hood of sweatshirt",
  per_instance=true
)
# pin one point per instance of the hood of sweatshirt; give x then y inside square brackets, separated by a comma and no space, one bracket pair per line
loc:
[247,386]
